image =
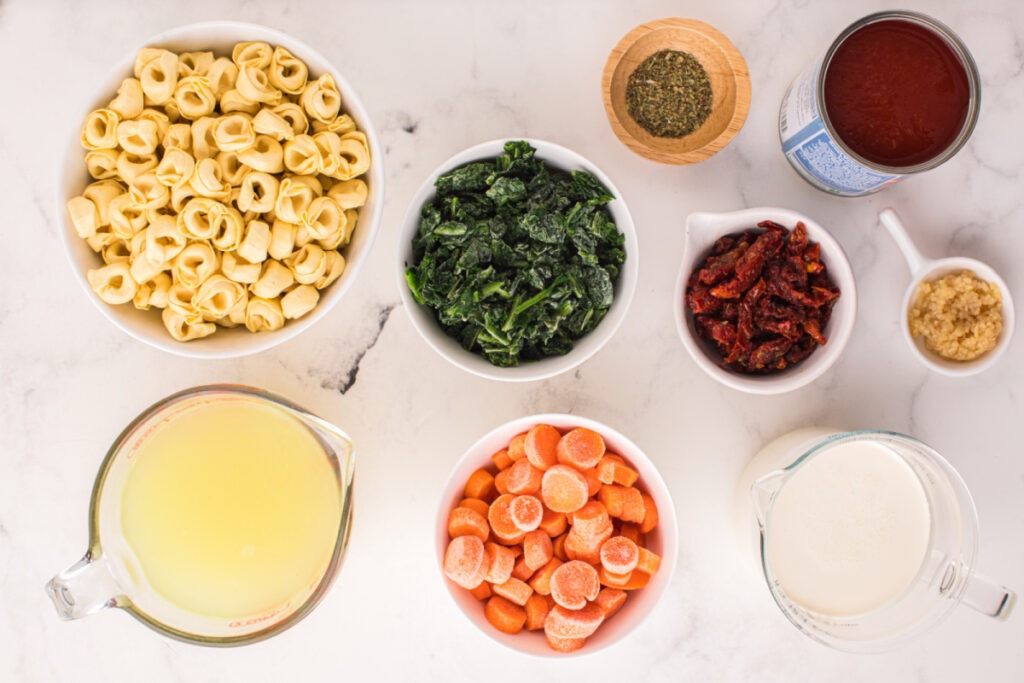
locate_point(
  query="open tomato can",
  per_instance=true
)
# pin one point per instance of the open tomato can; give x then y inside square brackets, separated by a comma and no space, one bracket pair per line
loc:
[896,94]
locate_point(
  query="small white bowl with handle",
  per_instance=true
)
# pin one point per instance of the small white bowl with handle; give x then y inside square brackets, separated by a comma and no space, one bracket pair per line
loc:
[924,269]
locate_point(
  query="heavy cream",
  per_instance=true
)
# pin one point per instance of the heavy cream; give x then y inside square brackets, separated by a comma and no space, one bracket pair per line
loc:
[848,530]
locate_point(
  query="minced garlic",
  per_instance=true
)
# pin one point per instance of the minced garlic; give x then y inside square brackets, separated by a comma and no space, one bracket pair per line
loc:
[958,316]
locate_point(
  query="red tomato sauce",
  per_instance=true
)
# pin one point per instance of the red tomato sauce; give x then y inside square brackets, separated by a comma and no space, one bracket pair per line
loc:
[896,93]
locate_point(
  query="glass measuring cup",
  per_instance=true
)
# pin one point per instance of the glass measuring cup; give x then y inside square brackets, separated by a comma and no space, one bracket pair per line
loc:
[946,575]
[111,575]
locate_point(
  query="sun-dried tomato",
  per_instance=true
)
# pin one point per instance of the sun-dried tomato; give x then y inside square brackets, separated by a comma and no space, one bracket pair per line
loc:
[762,298]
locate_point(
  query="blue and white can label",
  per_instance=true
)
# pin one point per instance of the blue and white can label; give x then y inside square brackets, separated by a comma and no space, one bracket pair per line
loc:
[814,152]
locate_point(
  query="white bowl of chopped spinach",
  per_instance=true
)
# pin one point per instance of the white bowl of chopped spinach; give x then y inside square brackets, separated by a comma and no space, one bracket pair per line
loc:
[517,259]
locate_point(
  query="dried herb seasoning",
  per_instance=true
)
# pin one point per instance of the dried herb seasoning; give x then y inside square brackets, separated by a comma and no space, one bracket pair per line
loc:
[669,94]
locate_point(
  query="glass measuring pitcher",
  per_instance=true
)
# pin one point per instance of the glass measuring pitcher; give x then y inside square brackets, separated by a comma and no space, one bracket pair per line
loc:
[866,538]
[219,516]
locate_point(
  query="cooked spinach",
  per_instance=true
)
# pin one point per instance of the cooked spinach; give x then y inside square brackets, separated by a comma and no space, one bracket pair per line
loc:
[516,259]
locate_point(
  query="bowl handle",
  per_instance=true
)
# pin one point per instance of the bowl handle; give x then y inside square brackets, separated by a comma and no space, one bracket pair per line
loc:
[916,261]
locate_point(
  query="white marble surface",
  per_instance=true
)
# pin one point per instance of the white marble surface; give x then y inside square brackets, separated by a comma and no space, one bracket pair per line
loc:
[438,77]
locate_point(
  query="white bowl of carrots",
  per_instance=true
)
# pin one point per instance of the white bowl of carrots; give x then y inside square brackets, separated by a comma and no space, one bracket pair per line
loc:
[556,535]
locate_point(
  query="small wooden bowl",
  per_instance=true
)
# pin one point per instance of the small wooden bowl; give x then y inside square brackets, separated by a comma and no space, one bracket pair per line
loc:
[730,87]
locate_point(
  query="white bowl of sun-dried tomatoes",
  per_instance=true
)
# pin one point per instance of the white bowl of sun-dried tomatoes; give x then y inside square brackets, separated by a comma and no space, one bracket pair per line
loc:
[765,300]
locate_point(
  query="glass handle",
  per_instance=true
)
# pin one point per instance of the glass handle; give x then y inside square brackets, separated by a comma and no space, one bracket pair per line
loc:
[990,598]
[84,588]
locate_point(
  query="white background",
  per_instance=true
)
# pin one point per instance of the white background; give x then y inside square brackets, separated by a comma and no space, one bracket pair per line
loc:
[438,77]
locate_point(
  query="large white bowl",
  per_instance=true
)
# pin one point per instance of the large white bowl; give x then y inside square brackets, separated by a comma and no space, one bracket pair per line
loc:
[663,539]
[146,326]
[702,230]
[423,318]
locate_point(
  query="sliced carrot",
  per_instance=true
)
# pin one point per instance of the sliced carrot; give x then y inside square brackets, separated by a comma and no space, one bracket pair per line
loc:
[502,560]
[585,547]
[558,546]
[537,550]
[623,502]
[637,580]
[476,505]
[632,532]
[501,459]
[581,447]
[553,523]
[527,512]
[610,600]
[536,612]
[612,579]
[648,562]
[463,521]
[593,483]
[541,446]
[480,485]
[465,561]
[569,623]
[591,519]
[513,590]
[606,467]
[523,477]
[517,447]
[505,616]
[500,518]
[650,514]
[522,570]
[501,482]
[619,555]
[565,644]
[573,584]
[563,489]
[541,580]
[481,592]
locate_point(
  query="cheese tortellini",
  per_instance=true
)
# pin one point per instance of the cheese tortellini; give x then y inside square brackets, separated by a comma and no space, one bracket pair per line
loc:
[223,189]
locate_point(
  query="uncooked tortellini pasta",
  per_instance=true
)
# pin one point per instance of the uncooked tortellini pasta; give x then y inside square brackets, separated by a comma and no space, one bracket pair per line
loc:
[222,189]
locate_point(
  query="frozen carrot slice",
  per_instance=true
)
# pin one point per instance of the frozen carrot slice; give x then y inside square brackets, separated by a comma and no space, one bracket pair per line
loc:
[553,523]
[505,616]
[593,483]
[501,459]
[501,482]
[527,512]
[569,623]
[521,570]
[465,561]
[612,579]
[619,555]
[574,583]
[500,517]
[541,446]
[537,550]
[610,600]
[476,505]
[502,560]
[563,489]
[591,519]
[541,580]
[513,590]
[632,532]
[585,547]
[523,477]
[517,447]
[623,502]
[480,485]
[565,644]
[558,546]
[613,470]
[648,562]
[650,514]
[581,447]
[481,592]
[536,612]
[637,580]
[463,521]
